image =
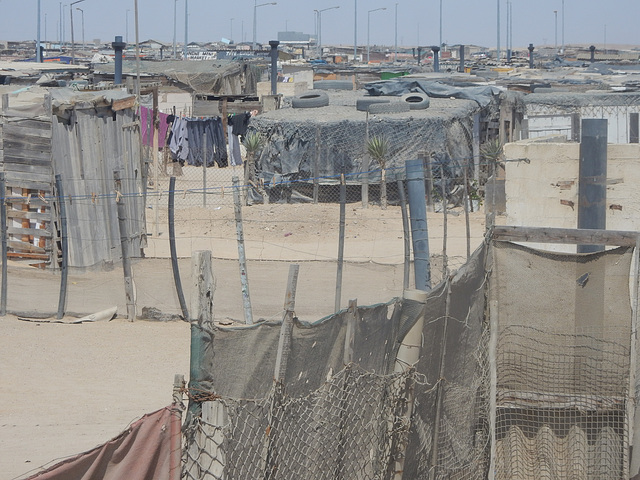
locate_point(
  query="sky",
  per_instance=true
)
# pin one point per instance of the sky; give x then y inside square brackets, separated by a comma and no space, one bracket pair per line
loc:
[591,22]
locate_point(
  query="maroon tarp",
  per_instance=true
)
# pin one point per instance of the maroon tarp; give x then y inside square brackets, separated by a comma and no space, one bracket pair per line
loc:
[141,452]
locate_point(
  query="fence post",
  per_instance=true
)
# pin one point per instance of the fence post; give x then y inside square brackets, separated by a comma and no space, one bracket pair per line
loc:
[316,168]
[204,170]
[426,162]
[124,244]
[405,231]
[242,260]
[466,209]
[287,324]
[65,248]
[175,459]
[172,247]
[443,185]
[418,220]
[3,232]
[365,166]
[343,201]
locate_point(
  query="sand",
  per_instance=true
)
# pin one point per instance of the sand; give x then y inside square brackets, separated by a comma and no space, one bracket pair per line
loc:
[67,388]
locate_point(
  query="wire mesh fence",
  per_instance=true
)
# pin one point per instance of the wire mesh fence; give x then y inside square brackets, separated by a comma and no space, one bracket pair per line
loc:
[352,427]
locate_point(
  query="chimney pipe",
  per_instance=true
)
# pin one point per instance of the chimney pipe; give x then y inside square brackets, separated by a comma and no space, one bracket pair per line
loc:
[461,68]
[530,48]
[436,60]
[419,54]
[274,66]
[592,49]
[118,46]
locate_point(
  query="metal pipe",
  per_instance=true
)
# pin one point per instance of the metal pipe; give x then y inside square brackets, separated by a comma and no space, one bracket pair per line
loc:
[3,232]
[395,45]
[530,48]
[436,59]
[64,253]
[355,31]
[343,201]
[461,68]
[592,186]
[172,248]
[186,29]
[418,217]
[406,236]
[118,46]
[175,10]
[38,50]
[274,66]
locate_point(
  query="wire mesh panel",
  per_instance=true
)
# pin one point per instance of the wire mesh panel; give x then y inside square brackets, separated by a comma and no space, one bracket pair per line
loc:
[349,428]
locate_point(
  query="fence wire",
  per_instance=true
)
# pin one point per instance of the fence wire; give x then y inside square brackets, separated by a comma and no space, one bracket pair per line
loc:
[353,427]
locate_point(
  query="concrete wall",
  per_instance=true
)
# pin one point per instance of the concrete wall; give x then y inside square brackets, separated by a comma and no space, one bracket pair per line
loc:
[544,192]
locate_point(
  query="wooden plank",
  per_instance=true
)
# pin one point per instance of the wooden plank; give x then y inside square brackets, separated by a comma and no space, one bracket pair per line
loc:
[32,256]
[33,232]
[44,177]
[11,138]
[20,129]
[565,236]
[19,156]
[16,183]
[123,103]
[36,216]
[24,167]
[19,201]
[31,162]
[26,247]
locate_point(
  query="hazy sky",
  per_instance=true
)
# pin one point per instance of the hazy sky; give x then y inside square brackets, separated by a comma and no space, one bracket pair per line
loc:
[464,21]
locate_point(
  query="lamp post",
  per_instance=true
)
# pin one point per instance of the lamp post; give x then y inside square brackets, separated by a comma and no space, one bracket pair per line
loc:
[562,49]
[395,44]
[255,24]
[175,16]
[186,29]
[126,27]
[440,44]
[355,31]
[82,13]
[555,16]
[38,51]
[498,30]
[320,28]
[231,30]
[73,46]
[369,27]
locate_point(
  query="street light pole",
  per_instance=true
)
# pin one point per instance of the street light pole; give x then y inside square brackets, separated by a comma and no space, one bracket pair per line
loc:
[186,29]
[82,13]
[562,50]
[320,28]
[395,43]
[231,30]
[38,51]
[498,30]
[440,44]
[73,45]
[255,23]
[555,16]
[127,25]
[369,27]
[355,31]
[175,15]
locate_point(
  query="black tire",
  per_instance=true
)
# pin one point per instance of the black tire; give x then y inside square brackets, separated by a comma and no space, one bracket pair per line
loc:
[395,107]
[416,101]
[333,85]
[310,99]
[363,104]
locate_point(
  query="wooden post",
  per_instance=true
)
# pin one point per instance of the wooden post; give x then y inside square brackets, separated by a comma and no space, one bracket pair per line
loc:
[202,290]
[204,170]
[349,339]
[5,102]
[172,248]
[284,343]
[175,459]
[366,165]
[316,168]
[242,260]
[65,248]
[632,404]
[466,210]
[343,201]
[445,267]
[405,230]
[124,244]
[3,233]
[156,162]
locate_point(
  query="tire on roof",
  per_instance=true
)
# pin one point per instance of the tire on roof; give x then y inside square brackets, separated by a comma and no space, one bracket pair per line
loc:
[333,85]
[416,101]
[395,107]
[311,99]
[363,104]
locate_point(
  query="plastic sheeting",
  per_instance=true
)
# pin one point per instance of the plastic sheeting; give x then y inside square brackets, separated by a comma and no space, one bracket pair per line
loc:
[141,452]
[483,95]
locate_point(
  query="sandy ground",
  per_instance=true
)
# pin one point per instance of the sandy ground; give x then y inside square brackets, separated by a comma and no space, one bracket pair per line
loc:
[67,388]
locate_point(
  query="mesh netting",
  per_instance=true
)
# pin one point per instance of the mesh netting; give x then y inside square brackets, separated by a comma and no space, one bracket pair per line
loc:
[349,428]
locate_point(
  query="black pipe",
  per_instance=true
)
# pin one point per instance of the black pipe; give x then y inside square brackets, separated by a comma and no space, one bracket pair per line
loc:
[274,66]
[461,67]
[118,46]
[592,49]
[436,59]
[3,232]
[172,248]
[64,271]
[530,48]
[592,186]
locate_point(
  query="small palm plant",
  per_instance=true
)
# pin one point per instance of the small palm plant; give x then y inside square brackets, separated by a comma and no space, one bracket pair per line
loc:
[252,143]
[378,148]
